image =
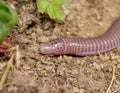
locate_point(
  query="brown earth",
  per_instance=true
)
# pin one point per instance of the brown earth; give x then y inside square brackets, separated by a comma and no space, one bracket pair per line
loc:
[62,74]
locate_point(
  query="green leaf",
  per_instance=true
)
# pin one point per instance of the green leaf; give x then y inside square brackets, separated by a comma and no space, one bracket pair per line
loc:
[14,18]
[42,4]
[3,6]
[56,3]
[4,31]
[4,16]
[55,13]
[8,18]
[52,7]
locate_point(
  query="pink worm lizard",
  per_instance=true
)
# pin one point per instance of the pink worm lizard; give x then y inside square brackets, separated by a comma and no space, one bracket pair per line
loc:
[84,46]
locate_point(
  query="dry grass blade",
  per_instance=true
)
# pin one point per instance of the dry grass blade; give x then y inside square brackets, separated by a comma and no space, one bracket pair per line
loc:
[4,76]
[17,58]
[113,77]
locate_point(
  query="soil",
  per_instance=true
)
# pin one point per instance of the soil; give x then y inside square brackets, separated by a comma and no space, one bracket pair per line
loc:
[65,73]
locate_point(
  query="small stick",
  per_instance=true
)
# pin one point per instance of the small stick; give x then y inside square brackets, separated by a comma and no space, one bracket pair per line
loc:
[113,77]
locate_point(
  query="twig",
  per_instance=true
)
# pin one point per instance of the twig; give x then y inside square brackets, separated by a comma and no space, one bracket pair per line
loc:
[113,77]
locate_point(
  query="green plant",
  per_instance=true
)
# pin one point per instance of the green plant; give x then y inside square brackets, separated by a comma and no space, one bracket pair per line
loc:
[54,8]
[8,18]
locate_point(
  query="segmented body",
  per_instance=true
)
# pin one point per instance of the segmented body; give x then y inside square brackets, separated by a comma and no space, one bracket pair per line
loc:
[84,46]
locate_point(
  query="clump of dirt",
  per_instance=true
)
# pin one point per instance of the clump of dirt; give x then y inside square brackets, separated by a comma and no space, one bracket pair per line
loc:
[62,74]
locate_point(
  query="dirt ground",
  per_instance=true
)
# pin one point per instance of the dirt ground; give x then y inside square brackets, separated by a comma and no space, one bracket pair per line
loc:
[62,74]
